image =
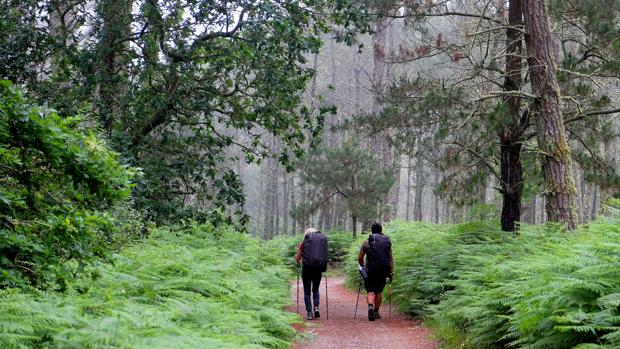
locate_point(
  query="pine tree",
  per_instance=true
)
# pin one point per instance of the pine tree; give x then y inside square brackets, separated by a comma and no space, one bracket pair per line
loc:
[350,172]
[556,161]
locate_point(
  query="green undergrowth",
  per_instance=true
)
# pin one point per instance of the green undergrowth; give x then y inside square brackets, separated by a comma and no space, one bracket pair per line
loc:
[193,287]
[479,287]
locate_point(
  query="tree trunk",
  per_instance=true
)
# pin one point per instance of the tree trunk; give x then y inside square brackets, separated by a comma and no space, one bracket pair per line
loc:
[391,157]
[408,191]
[582,197]
[578,193]
[512,184]
[268,209]
[354,224]
[543,211]
[261,199]
[304,218]
[595,202]
[112,84]
[358,85]
[529,215]
[378,71]
[276,203]
[329,122]
[484,193]
[436,208]
[379,144]
[61,25]
[315,65]
[333,218]
[285,205]
[293,205]
[324,215]
[511,133]
[558,181]
[395,191]
[419,185]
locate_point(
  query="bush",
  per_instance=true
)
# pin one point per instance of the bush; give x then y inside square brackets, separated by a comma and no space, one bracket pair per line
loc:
[338,243]
[192,287]
[285,246]
[542,288]
[56,183]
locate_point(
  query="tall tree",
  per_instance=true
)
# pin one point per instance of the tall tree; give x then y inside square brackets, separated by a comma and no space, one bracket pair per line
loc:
[556,161]
[111,68]
[514,124]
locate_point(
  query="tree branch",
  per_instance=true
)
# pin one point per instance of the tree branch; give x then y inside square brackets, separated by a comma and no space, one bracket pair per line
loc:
[223,34]
[581,116]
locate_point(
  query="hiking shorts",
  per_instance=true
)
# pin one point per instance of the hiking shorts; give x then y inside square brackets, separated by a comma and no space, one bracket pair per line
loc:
[375,282]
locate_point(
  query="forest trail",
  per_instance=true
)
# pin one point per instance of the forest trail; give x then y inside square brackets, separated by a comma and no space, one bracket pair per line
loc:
[341,331]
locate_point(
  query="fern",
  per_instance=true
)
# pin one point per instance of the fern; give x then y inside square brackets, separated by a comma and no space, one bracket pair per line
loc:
[543,288]
[192,287]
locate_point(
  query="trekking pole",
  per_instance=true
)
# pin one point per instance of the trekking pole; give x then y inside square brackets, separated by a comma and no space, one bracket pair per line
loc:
[359,288]
[326,299]
[390,300]
[297,289]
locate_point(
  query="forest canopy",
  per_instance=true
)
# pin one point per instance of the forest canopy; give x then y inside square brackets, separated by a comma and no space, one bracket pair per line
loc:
[181,89]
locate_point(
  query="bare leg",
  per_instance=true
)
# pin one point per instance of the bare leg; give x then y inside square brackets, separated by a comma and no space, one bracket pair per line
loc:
[378,297]
[371,298]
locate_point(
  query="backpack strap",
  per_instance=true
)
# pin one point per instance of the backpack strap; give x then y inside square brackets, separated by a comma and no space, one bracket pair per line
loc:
[374,240]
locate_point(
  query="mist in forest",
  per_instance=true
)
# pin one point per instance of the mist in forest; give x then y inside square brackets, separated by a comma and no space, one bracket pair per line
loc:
[444,157]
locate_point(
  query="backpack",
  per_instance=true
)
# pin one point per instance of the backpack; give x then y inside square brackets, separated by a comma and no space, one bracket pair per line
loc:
[314,251]
[378,256]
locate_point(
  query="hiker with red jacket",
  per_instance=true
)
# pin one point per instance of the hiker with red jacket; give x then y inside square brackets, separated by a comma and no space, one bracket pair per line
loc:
[313,252]
[379,267]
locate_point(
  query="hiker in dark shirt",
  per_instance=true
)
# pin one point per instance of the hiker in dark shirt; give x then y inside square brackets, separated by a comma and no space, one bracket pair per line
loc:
[379,266]
[313,252]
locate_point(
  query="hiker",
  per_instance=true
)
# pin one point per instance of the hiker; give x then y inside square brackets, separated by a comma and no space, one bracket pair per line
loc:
[379,266]
[313,252]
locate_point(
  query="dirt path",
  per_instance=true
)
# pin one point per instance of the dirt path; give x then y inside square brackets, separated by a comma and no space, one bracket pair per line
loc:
[341,331]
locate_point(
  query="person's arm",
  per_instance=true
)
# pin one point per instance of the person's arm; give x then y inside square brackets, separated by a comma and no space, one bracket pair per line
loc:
[362,254]
[298,254]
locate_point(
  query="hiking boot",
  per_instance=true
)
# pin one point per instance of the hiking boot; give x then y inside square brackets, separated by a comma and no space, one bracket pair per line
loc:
[309,317]
[371,313]
[377,315]
[316,312]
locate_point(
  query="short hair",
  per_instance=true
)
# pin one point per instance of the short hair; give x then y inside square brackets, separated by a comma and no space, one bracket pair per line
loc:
[376,228]
[310,231]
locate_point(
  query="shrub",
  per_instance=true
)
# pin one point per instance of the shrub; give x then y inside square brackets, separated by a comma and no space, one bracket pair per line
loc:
[191,287]
[544,288]
[56,183]
[338,243]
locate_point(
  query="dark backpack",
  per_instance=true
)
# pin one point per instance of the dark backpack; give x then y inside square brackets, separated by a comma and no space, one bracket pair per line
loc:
[378,256]
[314,251]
